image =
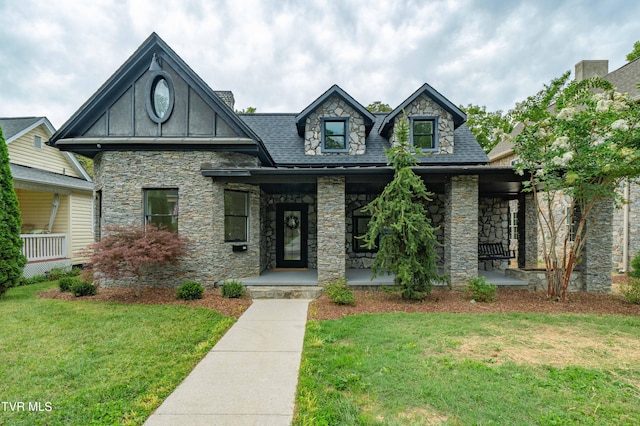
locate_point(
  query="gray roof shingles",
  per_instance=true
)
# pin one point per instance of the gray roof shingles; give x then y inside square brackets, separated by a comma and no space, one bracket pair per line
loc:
[280,137]
[13,126]
[29,174]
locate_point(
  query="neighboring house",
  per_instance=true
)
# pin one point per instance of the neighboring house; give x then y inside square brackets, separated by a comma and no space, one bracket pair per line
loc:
[626,220]
[55,196]
[261,192]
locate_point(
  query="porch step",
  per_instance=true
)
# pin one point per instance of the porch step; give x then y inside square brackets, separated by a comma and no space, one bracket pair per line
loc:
[284,292]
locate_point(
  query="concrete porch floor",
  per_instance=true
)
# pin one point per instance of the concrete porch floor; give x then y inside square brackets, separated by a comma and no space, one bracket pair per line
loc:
[356,277]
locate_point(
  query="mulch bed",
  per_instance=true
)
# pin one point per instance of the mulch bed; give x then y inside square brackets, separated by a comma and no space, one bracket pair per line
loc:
[376,301]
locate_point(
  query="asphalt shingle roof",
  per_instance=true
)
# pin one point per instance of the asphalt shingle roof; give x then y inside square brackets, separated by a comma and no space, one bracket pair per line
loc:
[13,126]
[29,174]
[280,137]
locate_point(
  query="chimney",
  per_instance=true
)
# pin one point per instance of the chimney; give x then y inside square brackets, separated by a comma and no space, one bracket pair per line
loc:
[227,97]
[591,68]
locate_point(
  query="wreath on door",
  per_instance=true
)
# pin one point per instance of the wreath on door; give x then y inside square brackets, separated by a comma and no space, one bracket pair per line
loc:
[292,222]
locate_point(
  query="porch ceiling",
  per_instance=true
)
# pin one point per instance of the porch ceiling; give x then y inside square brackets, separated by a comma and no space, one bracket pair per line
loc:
[493,181]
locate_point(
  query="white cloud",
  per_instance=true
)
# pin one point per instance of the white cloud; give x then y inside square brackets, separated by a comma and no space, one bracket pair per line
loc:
[280,55]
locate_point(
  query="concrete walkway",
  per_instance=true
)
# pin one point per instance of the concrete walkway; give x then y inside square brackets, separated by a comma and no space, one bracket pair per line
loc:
[250,375]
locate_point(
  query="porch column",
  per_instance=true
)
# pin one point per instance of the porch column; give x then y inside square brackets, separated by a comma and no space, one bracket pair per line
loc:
[331,228]
[461,229]
[597,264]
[527,231]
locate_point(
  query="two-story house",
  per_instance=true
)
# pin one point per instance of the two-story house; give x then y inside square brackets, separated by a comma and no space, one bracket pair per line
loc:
[275,192]
[55,196]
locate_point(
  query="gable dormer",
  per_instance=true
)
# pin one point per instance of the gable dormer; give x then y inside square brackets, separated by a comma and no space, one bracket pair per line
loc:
[155,101]
[334,124]
[432,121]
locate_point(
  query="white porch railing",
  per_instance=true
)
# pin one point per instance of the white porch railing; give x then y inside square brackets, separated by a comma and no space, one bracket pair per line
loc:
[44,246]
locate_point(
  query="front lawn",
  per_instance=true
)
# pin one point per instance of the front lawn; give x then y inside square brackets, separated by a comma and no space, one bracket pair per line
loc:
[87,363]
[464,369]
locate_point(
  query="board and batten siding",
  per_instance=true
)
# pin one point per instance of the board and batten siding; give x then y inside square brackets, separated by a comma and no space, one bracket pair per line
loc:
[22,152]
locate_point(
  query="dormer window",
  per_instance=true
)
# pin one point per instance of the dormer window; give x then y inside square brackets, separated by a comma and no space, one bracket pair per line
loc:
[335,135]
[424,133]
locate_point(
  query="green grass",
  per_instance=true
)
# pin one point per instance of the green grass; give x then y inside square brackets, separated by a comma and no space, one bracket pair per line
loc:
[95,363]
[457,369]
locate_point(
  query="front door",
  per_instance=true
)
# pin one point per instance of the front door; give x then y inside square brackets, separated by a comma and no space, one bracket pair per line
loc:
[291,236]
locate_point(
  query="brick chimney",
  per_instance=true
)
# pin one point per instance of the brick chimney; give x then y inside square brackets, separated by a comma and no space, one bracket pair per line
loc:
[591,68]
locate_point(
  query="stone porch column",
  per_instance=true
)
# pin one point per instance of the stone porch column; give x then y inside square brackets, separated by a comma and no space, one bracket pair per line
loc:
[527,231]
[596,256]
[331,228]
[461,229]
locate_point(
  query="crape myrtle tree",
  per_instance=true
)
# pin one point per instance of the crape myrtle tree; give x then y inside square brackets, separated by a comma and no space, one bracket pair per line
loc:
[134,251]
[579,142]
[11,259]
[400,226]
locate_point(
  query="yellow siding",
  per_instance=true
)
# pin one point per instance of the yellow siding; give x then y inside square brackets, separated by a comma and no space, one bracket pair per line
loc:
[61,222]
[22,152]
[35,210]
[81,229]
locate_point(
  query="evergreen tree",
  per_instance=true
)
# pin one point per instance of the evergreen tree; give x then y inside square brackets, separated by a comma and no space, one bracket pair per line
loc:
[11,259]
[407,243]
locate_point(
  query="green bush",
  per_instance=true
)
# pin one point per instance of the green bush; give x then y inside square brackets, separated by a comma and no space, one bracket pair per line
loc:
[635,267]
[631,290]
[232,289]
[65,283]
[480,290]
[190,290]
[339,292]
[57,273]
[34,280]
[83,288]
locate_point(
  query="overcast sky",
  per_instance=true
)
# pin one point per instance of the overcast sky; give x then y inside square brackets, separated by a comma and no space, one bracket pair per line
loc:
[279,55]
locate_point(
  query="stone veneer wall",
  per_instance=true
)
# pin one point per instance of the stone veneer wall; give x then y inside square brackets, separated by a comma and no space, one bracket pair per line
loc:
[493,227]
[334,107]
[634,228]
[364,260]
[269,202]
[331,228]
[423,106]
[596,256]
[461,232]
[122,177]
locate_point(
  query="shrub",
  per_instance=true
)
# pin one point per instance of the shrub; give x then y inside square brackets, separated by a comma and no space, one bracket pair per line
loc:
[83,288]
[133,251]
[631,290]
[57,273]
[339,292]
[232,289]
[480,290]
[190,290]
[635,267]
[65,283]
[34,280]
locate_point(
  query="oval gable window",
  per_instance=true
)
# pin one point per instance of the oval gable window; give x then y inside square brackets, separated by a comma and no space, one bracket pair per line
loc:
[160,97]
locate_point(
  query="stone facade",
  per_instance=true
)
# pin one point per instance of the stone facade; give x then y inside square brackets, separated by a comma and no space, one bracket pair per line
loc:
[461,232]
[122,176]
[364,260]
[334,107]
[425,107]
[633,230]
[596,256]
[493,227]
[331,228]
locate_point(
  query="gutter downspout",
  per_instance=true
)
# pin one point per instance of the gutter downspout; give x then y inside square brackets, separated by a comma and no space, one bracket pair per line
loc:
[54,211]
[625,228]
